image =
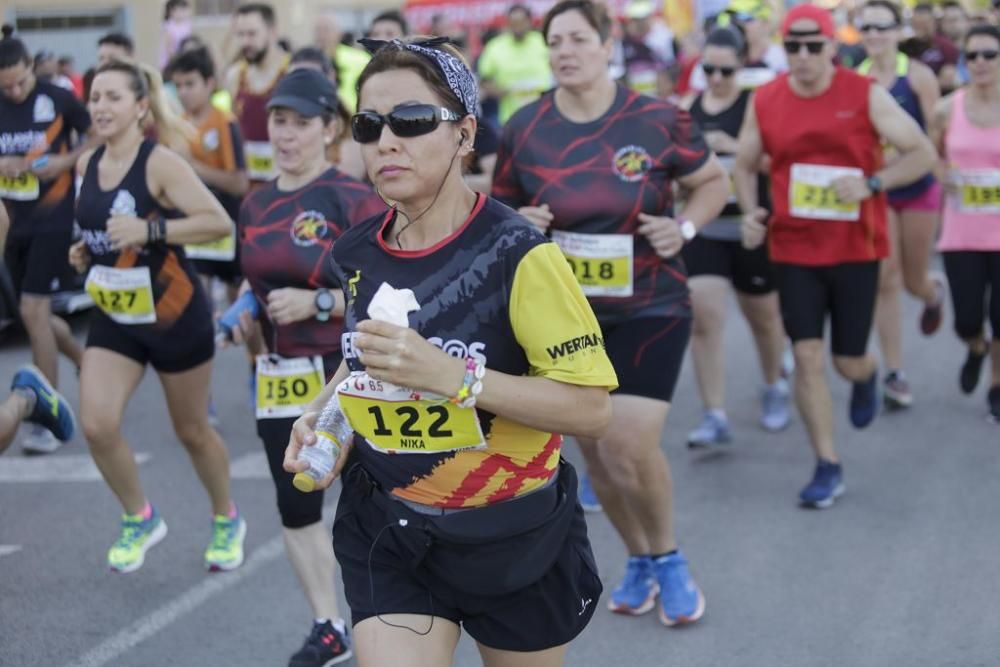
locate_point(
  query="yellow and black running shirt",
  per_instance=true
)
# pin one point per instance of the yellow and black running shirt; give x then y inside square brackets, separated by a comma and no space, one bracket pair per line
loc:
[496,290]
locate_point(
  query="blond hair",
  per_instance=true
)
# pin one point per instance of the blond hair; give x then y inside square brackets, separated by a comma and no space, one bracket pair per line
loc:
[146,83]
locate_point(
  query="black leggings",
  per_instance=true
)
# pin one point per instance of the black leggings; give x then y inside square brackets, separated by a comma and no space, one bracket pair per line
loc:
[297,509]
[974,277]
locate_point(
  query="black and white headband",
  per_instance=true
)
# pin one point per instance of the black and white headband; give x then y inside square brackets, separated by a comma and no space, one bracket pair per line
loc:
[456,74]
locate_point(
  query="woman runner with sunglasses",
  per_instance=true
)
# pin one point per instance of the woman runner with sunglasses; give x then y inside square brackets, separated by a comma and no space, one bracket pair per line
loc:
[913,209]
[966,130]
[716,257]
[287,229]
[594,164]
[456,510]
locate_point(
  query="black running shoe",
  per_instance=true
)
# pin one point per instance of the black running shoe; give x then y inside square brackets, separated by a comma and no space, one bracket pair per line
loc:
[994,400]
[324,646]
[971,370]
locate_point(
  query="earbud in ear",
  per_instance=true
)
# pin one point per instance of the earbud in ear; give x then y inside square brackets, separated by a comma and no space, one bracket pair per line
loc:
[465,137]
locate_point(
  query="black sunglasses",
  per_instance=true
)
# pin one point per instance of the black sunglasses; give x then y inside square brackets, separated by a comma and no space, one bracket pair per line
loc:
[406,122]
[724,71]
[987,54]
[875,27]
[792,47]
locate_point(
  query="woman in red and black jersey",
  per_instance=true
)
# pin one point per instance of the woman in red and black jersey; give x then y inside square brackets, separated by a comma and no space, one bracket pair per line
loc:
[594,165]
[287,229]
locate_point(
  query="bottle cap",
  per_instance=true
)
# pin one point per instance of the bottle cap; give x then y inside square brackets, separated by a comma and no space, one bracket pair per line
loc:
[304,482]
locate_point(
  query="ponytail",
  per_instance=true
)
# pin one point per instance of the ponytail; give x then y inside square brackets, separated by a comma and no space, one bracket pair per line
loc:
[146,83]
[12,50]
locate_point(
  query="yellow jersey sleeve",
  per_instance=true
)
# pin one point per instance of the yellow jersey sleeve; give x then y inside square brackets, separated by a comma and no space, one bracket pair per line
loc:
[554,324]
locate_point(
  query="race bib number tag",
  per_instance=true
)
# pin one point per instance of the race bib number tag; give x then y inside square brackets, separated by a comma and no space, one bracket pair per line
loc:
[812,195]
[125,295]
[23,187]
[602,263]
[286,386]
[222,250]
[260,160]
[979,191]
[397,420]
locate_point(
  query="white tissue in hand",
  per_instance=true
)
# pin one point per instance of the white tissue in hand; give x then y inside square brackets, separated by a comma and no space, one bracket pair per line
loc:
[392,305]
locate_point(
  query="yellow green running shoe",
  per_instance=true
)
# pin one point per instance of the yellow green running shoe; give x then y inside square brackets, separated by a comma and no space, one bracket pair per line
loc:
[138,535]
[226,550]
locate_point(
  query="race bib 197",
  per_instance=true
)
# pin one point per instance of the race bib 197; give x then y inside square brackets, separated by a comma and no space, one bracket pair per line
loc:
[602,263]
[398,420]
[286,386]
[811,194]
[978,190]
[125,295]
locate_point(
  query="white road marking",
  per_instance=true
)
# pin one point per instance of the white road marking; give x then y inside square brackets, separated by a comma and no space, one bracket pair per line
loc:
[8,549]
[133,635]
[250,466]
[69,468]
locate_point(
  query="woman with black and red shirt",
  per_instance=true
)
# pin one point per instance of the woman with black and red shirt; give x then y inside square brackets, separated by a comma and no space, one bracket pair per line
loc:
[287,229]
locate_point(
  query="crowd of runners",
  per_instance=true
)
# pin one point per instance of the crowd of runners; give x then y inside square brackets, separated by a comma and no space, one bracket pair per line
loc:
[479,254]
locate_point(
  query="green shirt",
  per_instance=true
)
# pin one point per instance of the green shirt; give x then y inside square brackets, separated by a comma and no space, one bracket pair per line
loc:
[519,68]
[350,63]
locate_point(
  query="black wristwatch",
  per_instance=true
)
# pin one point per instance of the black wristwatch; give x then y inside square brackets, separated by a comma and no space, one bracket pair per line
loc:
[874,184]
[325,302]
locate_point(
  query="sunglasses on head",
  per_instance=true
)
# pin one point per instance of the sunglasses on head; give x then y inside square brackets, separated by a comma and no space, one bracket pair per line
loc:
[405,122]
[875,27]
[712,69]
[793,47]
[987,54]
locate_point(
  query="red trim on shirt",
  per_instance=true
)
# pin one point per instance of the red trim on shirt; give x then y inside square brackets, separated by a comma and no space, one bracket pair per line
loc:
[380,237]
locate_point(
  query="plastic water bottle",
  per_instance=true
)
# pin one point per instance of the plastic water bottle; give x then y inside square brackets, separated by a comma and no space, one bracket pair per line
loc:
[231,318]
[332,432]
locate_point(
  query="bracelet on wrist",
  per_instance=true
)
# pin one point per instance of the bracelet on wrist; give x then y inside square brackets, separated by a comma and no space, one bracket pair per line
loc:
[472,384]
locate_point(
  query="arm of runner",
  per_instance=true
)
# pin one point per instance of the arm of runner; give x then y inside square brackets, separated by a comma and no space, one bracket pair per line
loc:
[566,390]
[916,153]
[924,83]
[745,169]
[57,164]
[172,180]
[708,189]
[291,304]
[4,227]
[937,128]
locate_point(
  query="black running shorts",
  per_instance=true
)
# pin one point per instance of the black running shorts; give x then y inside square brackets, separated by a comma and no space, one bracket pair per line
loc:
[187,344]
[846,292]
[647,354]
[378,580]
[749,271]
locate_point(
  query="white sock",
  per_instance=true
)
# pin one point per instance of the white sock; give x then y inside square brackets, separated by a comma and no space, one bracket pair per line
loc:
[340,626]
[719,414]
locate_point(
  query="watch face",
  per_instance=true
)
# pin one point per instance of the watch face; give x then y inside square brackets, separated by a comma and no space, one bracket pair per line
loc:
[324,300]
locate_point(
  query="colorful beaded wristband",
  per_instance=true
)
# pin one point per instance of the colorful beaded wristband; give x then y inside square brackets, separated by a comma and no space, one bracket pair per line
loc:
[472,384]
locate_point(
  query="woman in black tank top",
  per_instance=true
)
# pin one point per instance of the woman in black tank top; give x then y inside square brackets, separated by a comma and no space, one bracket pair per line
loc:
[717,257]
[150,305]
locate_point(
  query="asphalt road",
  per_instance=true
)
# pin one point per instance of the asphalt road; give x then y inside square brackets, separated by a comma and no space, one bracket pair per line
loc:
[902,571]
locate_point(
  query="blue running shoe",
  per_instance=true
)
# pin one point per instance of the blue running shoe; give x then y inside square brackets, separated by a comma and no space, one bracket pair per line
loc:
[865,401]
[774,413]
[711,432]
[51,410]
[637,593]
[585,493]
[826,486]
[681,601]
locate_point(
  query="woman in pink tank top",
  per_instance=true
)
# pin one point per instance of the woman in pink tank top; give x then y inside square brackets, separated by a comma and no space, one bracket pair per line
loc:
[967,132]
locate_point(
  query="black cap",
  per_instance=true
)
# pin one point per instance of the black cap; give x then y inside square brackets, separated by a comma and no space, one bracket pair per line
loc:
[305,91]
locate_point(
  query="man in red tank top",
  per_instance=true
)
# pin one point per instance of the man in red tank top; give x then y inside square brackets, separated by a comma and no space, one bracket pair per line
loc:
[250,82]
[822,126]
